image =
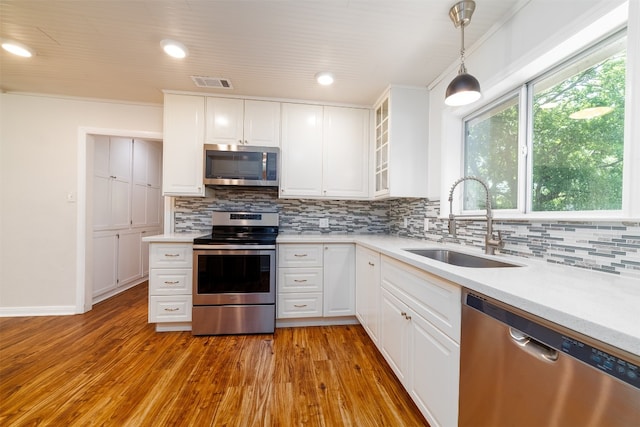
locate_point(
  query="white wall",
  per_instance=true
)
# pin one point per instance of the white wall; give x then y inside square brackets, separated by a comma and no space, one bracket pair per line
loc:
[541,34]
[39,167]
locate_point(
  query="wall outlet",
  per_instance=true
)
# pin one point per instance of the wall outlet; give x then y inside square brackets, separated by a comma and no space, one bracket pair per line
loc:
[406,223]
[426,224]
[324,222]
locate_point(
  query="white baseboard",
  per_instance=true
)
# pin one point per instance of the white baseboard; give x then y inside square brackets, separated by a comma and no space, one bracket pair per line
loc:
[316,321]
[61,310]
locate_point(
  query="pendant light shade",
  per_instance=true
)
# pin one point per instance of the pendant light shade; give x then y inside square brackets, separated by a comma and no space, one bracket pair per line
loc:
[464,89]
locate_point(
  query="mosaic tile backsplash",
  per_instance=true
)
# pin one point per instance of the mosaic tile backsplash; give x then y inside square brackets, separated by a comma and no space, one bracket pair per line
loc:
[612,247]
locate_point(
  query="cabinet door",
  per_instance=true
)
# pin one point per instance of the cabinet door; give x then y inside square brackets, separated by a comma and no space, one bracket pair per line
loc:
[224,121]
[154,164]
[105,267]
[434,365]
[262,123]
[182,149]
[140,162]
[301,151]
[339,280]
[129,257]
[101,195]
[139,205]
[120,203]
[153,206]
[394,334]
[346,155]
[368,290]
[120,158]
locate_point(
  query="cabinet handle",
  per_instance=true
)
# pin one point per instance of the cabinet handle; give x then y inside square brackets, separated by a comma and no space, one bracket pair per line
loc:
[299,280]
[403,314]
[371,264]
[300,255]
[112,177]
[171,309]
[169,282]
[171,255]
[299,305]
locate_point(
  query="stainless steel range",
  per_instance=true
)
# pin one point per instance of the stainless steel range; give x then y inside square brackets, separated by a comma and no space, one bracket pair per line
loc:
[234,280]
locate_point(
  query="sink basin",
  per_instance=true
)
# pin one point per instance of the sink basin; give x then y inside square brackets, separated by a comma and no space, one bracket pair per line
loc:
[460,259]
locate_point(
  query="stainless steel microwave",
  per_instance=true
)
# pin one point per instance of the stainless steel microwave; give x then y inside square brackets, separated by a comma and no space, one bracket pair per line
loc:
[241,165]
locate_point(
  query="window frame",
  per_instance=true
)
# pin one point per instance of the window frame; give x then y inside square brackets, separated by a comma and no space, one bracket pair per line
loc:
[525,94]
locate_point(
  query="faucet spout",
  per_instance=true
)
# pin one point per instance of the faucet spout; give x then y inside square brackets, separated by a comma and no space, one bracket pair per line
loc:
[491,244]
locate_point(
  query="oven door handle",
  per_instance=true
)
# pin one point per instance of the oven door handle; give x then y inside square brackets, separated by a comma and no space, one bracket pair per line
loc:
[233,247]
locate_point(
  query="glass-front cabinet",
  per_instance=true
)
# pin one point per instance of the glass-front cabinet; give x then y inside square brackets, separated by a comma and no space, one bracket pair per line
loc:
[401,142]
[382,148]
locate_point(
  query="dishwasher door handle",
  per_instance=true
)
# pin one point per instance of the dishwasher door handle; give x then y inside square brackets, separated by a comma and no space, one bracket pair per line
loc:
[533,346]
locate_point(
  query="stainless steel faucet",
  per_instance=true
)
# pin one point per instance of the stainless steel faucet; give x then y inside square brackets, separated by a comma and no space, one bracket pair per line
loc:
[490,244]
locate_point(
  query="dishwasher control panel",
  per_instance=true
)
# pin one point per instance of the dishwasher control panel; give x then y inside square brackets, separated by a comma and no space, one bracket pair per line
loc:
[599,359]
[612,365]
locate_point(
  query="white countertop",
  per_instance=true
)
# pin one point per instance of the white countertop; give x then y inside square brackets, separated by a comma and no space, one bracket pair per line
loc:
[173,237]
[600,305]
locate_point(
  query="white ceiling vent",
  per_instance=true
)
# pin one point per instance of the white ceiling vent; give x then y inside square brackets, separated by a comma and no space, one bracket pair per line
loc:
[212,82]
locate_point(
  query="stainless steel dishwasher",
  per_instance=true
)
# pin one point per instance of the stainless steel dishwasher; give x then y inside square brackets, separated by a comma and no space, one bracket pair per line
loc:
[520,370]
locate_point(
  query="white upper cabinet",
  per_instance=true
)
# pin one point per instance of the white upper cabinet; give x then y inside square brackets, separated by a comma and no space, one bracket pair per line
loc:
[301,171]
[183,145]
[345,162]
[146,206]
[401,143]
[111,182]
[247,122]
[324,152]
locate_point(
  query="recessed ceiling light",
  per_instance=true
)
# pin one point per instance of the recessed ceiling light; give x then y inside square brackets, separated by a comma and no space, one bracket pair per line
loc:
[590,113]
[17,48]
[174,49]
[324,78]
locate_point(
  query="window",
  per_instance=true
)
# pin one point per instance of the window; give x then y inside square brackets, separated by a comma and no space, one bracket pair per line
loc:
[558,142]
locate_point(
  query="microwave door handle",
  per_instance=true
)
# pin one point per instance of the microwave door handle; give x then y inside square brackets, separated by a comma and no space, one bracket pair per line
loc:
[264,166]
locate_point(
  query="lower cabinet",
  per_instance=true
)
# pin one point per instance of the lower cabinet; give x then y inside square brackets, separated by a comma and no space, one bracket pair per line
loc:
[368,290]
[119,261]
[170,285]
[315,280]
[419,337]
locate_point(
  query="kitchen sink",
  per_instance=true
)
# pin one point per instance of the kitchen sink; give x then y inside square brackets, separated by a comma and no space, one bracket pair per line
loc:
[460,259]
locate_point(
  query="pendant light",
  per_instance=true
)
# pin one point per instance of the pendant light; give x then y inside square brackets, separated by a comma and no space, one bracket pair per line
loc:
[464,89]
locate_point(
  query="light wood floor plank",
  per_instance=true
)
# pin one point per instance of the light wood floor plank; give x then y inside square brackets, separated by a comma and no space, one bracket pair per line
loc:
[109,367]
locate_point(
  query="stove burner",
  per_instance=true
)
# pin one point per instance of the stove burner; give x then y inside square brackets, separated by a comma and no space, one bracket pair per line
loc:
[241,228]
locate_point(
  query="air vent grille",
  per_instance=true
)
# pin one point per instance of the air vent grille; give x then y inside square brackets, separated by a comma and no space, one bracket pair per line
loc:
[212,82]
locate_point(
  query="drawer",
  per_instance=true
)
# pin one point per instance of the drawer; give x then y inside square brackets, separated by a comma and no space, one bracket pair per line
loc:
[437,300]
[170,308]
[300,255]
[300,279]
[166,281]
[300,305]
[171,255]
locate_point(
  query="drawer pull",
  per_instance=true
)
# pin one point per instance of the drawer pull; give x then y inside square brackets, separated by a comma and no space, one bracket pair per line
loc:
[371,264]
[171,255]
[171,309]
[171,282]
[299,305]
[300,280]
[300,255]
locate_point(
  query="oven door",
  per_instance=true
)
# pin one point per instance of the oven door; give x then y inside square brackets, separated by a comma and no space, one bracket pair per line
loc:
[234,276]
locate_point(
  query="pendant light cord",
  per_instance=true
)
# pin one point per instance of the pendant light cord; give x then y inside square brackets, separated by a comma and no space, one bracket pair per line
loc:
[462,69]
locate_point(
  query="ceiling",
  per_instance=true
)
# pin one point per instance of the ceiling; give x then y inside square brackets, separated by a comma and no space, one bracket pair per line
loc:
[110,49]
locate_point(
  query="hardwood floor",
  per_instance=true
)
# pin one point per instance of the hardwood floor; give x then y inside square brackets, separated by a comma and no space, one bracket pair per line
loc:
[109,367]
